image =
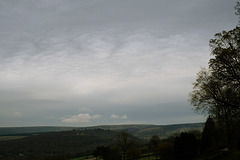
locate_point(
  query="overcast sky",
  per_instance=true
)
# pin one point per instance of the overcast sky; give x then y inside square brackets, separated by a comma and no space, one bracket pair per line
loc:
[94,62]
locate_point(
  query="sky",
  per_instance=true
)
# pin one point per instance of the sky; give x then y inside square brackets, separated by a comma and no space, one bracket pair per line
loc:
[96,62]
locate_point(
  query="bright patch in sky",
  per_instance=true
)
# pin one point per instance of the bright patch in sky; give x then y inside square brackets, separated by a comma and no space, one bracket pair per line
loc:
[80,118]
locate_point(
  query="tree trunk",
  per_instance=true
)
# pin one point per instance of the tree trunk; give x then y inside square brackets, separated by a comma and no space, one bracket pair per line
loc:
[229,136]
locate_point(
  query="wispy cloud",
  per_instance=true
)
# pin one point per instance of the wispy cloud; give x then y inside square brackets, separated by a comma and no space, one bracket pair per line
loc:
[100,61]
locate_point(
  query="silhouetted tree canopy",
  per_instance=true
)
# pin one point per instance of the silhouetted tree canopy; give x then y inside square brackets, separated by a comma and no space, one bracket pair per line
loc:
[126,144]
[220,84]
[217,89]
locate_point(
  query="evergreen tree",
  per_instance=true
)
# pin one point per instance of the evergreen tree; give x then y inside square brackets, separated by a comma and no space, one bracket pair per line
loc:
[209,136]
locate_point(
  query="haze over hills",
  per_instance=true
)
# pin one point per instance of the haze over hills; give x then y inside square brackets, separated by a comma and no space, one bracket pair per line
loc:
[144,131]
[162,131]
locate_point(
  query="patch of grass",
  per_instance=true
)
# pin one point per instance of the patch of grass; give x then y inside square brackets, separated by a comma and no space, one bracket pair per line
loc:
[148,158]
[234,155]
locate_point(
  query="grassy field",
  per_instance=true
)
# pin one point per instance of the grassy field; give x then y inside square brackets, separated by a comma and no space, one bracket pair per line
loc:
[234,155]
[220,156]
[92,158]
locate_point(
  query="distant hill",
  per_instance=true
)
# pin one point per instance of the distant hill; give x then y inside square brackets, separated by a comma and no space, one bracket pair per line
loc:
[143,131]
[42,142]
[147,131]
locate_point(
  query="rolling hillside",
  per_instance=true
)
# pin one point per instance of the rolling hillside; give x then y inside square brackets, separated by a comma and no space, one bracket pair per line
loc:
[139,130]
[73,143]
[42,142]
[147,131]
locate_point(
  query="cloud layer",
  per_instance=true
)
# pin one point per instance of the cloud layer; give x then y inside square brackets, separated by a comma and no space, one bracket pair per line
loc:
[102,61]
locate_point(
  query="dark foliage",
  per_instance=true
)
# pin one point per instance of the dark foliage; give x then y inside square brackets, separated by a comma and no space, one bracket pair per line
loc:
[127,145]
[107,153]
[65,144]
[154,142]
[185,146]
[217,89]
[209,136]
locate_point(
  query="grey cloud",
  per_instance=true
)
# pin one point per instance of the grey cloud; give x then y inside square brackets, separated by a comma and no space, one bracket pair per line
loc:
[104,57]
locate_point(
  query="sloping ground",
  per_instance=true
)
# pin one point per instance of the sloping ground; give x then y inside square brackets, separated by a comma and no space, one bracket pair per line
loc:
[140,130]
[166,131]
[67,143]
[162,131]
[233,155]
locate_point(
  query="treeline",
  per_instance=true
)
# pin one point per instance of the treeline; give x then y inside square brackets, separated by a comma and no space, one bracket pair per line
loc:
[56,145]
[209,144]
